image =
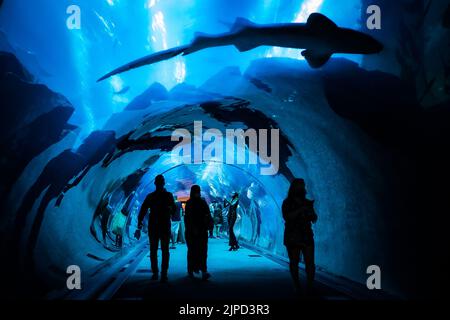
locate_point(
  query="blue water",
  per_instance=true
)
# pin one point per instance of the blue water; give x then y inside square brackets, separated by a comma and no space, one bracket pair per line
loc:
[114,32]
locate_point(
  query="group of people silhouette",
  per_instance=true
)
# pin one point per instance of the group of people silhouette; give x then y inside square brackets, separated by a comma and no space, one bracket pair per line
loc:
[298,213]
[164,217]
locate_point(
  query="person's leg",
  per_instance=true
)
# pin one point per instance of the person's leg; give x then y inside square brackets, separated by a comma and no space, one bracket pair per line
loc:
[310,267]
[190,258]
[195,254]
[182,232]
[165,241]
[176,231]
[203,252]
[172,234]
[294,260]
[204,258]
[153,239]
[233,240]
[217,230]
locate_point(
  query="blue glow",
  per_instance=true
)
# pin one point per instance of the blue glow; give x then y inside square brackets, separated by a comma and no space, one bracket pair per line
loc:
[113,32]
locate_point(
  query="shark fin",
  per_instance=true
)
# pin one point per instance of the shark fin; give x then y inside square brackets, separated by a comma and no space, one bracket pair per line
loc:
[199,38]
[318,20]
[314,59]
[241,23]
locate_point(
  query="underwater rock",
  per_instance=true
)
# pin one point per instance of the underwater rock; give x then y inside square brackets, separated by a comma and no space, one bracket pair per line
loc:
[10,64]
[190,94]
[5,45]
[33,119]
[241,111]
[260,84]
[216,83]
[44,131]
[24,101]
[147,141]
[156,92]
[26,57]
[380,103]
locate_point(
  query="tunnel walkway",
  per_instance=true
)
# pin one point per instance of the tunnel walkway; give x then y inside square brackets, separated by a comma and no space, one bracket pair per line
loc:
[241,275]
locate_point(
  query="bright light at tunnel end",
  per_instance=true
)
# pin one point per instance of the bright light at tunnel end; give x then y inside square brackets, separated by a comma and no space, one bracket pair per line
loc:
[230,147]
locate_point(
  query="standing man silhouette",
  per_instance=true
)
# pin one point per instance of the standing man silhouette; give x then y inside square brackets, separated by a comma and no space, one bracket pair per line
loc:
[162,208]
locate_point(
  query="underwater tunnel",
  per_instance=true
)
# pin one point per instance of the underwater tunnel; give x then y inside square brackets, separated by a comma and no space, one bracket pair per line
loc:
[358,134]
[78,204]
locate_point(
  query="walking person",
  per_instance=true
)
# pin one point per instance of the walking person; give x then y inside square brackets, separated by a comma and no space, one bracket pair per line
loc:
[298,214]
[232,217]
[181,233]
[198,222]
[218,218]
[162,208]
[176,222]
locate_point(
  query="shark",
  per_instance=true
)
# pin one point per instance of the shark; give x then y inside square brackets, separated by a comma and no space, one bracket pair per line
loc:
[319,38]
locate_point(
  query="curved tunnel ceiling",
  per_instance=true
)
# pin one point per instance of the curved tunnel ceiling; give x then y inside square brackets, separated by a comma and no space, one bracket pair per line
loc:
[114,168]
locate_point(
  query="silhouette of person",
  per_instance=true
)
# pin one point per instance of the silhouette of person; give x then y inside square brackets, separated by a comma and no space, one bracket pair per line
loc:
[181,233]
[162,208]
[218,218]
[176,222]
[232,217]
[198,222]
[298,214]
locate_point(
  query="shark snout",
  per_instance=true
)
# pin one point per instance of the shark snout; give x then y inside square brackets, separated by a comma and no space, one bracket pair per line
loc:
[352,41]
[377,46]
[369,44]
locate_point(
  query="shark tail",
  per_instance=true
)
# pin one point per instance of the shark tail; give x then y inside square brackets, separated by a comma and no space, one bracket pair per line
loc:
[147,60]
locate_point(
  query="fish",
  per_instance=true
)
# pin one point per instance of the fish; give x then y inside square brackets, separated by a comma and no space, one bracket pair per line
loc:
[319,38]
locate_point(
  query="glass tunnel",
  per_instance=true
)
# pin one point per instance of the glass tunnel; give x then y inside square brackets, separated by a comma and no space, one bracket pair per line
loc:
[80,156]
[117,215]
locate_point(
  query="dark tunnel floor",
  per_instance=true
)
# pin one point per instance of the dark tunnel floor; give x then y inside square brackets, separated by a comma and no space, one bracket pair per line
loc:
[241,275]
